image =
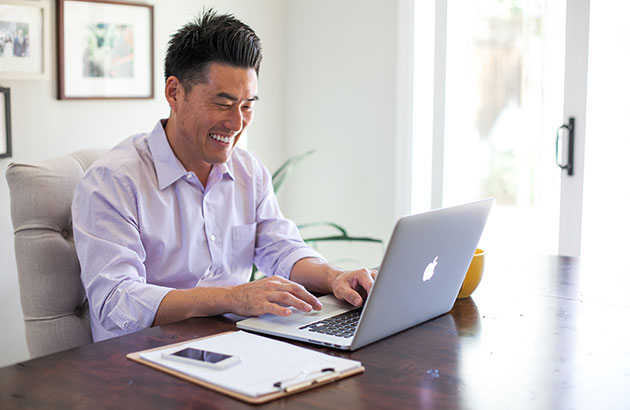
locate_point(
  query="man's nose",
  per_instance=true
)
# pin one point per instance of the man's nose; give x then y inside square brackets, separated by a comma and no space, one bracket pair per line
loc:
[234,121]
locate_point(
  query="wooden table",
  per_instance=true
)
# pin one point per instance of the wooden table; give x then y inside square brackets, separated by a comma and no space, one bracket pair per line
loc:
[539,333]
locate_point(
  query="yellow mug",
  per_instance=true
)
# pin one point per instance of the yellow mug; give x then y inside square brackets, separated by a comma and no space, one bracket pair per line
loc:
[473,276]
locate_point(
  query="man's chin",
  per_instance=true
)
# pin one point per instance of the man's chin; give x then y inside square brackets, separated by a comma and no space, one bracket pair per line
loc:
[219,159]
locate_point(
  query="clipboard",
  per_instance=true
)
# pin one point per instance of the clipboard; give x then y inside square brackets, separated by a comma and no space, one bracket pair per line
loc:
[325,369]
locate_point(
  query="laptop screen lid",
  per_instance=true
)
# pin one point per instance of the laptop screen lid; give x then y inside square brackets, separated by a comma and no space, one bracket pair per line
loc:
[422,270]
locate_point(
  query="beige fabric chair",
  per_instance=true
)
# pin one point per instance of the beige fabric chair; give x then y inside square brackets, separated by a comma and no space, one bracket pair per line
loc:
[56,315]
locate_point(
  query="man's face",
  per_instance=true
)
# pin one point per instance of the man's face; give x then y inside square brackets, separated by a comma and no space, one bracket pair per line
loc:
[212,115]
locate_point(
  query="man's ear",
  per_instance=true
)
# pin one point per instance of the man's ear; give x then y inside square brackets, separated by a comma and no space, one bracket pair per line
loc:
[174,91]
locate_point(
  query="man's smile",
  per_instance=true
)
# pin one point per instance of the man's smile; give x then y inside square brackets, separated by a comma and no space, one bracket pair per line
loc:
[222,138]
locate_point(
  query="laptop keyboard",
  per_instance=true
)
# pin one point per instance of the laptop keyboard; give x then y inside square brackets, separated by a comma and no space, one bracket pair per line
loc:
[342,325]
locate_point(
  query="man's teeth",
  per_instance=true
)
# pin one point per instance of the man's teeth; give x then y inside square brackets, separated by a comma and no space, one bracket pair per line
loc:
[221,138]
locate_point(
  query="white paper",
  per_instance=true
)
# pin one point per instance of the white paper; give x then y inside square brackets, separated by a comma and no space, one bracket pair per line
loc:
[264,362]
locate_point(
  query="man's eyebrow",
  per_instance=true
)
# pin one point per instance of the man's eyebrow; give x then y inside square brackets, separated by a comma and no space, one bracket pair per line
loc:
[233,98]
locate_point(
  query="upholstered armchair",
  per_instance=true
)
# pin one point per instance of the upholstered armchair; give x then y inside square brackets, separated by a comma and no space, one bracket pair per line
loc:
[56,314]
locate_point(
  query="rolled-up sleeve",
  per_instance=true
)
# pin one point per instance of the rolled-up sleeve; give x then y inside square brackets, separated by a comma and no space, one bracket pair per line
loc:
[111,254]
[278,242]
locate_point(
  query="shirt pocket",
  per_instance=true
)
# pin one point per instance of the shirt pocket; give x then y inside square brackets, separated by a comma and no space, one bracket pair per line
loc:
[242,251]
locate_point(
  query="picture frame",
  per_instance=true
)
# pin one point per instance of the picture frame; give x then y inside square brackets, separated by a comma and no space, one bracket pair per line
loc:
[24,39]
[104,50]
[5,122]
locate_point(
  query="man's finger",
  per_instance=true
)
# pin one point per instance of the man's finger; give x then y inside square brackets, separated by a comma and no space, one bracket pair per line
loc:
[276,309]
[280,284]
[301,293]
[366,281]
[288,299]
[350,295]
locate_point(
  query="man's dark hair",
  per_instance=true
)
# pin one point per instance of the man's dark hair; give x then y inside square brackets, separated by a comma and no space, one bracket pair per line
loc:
[210,38]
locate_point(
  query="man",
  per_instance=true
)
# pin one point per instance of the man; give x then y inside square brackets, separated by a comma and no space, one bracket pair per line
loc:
[168,224]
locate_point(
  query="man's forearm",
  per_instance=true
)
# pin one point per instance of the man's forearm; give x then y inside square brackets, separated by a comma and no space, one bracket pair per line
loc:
[314,274]
[180,304]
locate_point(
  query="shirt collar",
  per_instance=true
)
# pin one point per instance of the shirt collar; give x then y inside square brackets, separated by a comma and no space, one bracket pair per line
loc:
[224,169]
[167,167]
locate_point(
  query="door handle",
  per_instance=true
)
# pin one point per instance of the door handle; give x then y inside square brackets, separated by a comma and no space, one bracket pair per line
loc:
[570,127]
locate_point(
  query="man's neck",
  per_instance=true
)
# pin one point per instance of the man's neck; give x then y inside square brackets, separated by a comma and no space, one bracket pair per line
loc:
[201,169]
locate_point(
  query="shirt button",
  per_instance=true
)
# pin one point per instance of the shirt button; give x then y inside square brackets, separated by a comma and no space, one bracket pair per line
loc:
[213,238]
[188,176]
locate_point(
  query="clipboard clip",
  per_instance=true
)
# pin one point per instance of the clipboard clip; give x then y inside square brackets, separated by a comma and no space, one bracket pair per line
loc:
[327,374]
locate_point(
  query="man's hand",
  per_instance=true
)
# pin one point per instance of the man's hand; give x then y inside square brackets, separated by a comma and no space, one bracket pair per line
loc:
[271,295]
[349,285]
[320,276]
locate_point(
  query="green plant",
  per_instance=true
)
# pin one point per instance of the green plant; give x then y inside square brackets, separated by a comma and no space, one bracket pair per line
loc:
[278,178]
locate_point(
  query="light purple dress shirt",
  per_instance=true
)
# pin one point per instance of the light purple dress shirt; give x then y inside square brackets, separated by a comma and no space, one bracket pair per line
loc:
[143,226]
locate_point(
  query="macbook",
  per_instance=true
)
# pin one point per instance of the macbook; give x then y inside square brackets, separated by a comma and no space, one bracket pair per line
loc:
[419,278]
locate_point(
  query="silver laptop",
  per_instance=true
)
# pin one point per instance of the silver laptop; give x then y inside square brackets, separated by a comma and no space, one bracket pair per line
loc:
[419,279]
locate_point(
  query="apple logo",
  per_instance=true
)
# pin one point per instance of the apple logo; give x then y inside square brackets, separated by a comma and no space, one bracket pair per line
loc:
[429,270]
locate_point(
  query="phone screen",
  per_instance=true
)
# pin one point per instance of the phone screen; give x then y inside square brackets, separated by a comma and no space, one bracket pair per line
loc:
[201,355]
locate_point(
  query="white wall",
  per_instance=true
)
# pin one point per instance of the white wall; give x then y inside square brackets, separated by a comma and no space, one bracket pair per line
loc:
[328,81]
[44,127]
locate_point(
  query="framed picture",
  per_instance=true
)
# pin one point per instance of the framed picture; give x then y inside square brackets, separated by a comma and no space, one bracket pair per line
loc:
[5,122]
[23,29]
[105,49]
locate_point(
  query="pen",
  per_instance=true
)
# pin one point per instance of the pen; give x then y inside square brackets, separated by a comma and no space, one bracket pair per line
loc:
[329,373]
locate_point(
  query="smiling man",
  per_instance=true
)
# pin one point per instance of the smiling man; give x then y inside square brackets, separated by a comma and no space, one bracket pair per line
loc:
[168,224]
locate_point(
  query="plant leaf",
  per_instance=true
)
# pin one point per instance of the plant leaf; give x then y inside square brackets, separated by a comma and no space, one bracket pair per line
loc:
[285,169]
[341,230]
[343,238]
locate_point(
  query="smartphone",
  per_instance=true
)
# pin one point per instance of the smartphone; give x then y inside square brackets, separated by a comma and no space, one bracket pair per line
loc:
[213,360]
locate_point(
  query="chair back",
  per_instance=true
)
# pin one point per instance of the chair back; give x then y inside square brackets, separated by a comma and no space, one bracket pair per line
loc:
[56,315]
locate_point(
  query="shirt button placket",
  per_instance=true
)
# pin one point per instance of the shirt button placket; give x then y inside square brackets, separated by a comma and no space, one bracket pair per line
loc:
[210,227]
